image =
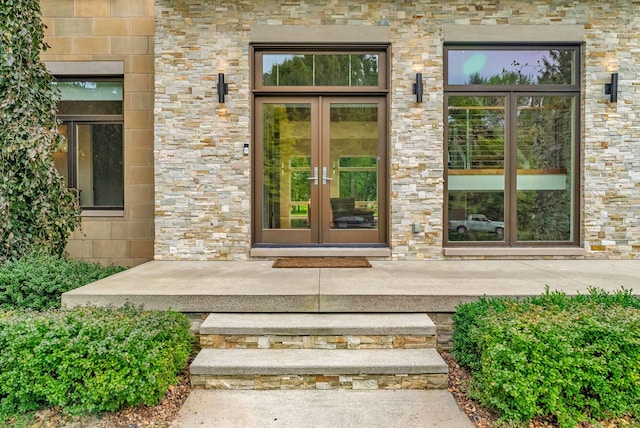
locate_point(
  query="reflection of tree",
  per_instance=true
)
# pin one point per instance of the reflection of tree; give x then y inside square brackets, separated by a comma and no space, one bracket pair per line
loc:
[360,185]
[356,113]
[295,71]
[324,70]
[558,69]
[300,186]
[544,132]
[545,135]
[544,215]
[279,145]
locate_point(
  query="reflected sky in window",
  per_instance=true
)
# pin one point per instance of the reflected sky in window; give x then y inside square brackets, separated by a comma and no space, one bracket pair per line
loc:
[467,65]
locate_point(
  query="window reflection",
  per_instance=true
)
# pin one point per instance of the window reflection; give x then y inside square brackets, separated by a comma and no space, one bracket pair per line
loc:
[545,136]
[511,67]
[476,183]
[286,165]
[320,69]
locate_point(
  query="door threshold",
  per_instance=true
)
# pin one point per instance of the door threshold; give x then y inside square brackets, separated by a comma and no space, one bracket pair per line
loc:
[321,252]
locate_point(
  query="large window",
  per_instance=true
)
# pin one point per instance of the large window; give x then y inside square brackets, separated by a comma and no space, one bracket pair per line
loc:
[91,158]
[511,145]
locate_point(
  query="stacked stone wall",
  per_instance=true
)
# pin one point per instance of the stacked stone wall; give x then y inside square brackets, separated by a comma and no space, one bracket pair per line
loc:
[203,180]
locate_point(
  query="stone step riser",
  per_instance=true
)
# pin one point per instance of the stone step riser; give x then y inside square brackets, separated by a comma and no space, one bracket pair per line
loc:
[216,341]
[321,382]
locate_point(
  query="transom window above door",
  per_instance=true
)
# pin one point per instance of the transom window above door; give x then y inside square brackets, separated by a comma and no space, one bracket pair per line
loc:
[319,69]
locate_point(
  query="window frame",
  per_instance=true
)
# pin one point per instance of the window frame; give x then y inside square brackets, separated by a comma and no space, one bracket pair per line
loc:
[511,94]
[72,121]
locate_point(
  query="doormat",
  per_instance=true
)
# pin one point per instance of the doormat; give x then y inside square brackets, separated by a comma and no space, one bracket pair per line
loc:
[322,262]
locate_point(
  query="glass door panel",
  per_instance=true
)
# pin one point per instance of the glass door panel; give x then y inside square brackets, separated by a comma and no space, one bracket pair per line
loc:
[545,195]
[476,173]
[352,158]
[287,174]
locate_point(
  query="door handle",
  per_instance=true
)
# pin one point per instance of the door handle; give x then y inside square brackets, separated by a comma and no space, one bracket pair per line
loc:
[315,175]
[324,175]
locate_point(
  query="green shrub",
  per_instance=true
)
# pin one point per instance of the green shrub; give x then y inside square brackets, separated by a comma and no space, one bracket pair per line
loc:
[89,360]
[573,358]
[37,282]
[466,319]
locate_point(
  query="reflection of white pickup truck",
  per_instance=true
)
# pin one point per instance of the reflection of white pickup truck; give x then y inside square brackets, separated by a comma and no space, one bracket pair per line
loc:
[477,222]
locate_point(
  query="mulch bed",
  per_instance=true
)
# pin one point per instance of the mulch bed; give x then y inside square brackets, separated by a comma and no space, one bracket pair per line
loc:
[322,262]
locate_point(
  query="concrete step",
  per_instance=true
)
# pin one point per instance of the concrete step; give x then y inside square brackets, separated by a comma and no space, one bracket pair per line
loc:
[319,369]
[318,331]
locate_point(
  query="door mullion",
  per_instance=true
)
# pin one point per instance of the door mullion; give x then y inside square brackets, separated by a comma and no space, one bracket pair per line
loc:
[511,168]
[316,188]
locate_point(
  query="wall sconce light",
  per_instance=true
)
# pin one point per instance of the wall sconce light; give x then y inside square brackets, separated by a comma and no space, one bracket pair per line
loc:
[417,88]
[612,88]
[223,88]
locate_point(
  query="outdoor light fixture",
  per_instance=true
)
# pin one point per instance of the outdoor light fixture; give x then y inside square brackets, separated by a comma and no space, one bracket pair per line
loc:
[612,88]
[417,88]
[223,88]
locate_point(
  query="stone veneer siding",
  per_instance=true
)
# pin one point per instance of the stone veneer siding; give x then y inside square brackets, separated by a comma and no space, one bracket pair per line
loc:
[114,30]
[203,181]
[321,382]
[272,341]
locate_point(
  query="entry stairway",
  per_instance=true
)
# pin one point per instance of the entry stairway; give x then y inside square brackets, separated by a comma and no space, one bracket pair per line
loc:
[282,351]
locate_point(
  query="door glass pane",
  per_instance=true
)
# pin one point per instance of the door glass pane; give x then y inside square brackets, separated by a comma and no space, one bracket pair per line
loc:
[100,171]
[286,166]
[511,66]
[320,69]
[353,166]
[545,136]
[476,175]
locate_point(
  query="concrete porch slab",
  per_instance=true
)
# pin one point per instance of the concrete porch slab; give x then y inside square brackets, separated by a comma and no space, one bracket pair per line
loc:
[389,286]
[188,286]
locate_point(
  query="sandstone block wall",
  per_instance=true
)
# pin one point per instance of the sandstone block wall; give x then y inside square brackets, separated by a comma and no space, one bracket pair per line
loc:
[114,30]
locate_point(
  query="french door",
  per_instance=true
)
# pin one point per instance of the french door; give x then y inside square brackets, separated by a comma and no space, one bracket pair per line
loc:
[320,170]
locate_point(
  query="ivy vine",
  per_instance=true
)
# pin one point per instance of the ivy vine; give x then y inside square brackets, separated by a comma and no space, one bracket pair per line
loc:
[37,211]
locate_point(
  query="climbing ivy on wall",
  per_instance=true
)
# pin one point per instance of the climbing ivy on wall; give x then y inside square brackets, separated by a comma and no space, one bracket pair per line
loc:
[37,211]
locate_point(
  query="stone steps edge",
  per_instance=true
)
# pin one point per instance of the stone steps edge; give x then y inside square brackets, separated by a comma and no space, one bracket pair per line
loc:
[311,324]
[317,361]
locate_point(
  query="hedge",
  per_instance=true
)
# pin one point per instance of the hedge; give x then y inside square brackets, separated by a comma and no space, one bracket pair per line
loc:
[576,359]
[89,360]
[36,282]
